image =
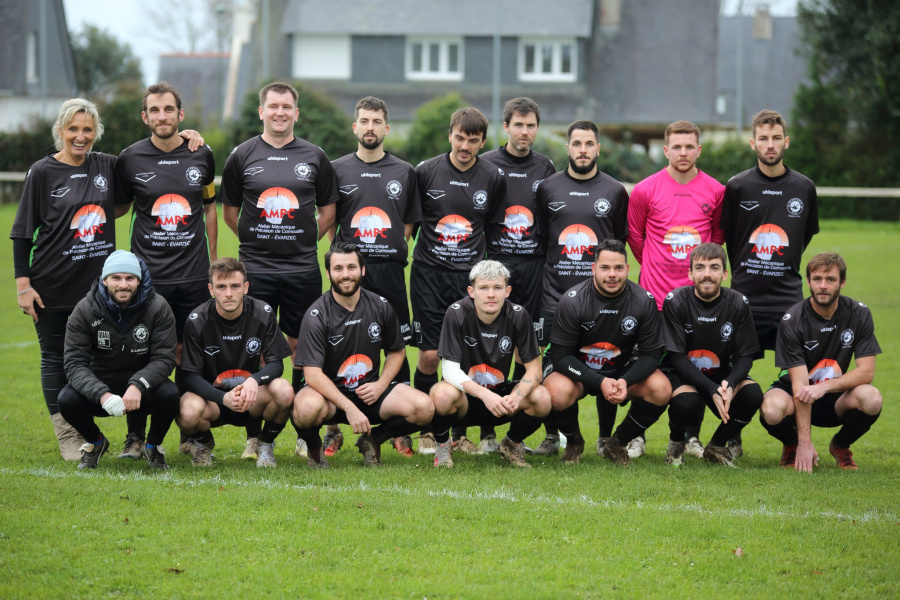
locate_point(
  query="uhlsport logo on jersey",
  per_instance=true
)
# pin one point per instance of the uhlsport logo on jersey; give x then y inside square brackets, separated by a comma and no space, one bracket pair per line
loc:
[681,240]
[705,361]
[824,370]
[277,203]
[88,222]
[370,223]
[170,211]
[486,376]
[230,379]
[518,222]
[452,230]
[768,240]
[577,240]
[600,355]
[354,370]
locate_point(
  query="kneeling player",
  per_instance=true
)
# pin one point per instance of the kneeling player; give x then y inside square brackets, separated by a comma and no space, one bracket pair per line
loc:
[225,341]
[479,339]
[343,334]
[710,343]
[599,326]
[815,341]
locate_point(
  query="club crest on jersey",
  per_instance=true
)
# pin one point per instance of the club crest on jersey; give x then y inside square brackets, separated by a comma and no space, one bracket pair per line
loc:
[726,331]
[505,344]
[847,337]
[193,175]
[795,207]
[480,199]
[103,339]
[394,189]
[705,207]
[101,183]
[629,324]
[302,171]
[470,341]
[253,345]
[602,206]
[374,331]
[141,333]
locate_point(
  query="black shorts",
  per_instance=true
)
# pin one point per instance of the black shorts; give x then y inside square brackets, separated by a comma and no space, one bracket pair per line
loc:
[478,413]
[766,324]
[372,411]
[677,381]
[544,328]
[288,293]
[229,417]
[526,279]
[431,292]
[823,412]
[388,279]
[183,298]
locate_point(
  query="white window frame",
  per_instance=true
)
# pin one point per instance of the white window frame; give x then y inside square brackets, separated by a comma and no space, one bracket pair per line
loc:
[556,47]
[443,73]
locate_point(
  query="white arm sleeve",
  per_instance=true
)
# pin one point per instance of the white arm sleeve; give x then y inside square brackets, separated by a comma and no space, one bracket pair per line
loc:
[453,374]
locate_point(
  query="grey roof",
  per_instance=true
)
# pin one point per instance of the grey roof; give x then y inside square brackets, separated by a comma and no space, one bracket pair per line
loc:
[200,80]
[570,18]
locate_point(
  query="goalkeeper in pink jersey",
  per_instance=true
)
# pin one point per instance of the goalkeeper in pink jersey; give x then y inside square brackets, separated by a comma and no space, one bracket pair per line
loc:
[669,214]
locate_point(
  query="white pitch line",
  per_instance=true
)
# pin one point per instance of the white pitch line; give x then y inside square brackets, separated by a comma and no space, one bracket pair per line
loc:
[870,516]
[10,345]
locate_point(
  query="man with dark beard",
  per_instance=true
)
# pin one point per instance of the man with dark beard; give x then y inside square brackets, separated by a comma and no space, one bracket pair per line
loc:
[710,342]
[579,206]
[344,333]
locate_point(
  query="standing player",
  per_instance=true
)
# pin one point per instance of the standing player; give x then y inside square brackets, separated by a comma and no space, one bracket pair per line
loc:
[378,206]
[600,323]
[815,341]
[460,194]
[480,336]
[344,333]
[710,343]
[579,206]
[670,213]
[278,196]
[515,240]
[226,341]
[174,227]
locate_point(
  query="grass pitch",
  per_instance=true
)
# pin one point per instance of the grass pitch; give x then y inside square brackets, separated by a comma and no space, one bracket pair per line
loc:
[479,530]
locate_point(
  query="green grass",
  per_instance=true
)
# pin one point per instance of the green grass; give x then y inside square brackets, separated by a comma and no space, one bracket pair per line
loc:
[480,530]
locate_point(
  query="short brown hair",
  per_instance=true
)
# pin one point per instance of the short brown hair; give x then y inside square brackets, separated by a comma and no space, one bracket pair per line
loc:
[768,117]
[682,127]
[279,87]
[225,266]
[371,103]
[522,106]
[470,121]
[827,260]
[709,251]
[158,89]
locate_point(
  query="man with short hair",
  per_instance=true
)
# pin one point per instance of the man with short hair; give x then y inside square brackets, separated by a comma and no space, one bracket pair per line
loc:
[816,339]
[119,352]
[227,340]
[278,196]
[516,239]
[460,193]
[600,324]
[670,213]
[344,333]
[710,342]
[579,206]
[377,208]
[174,227]
[480,336]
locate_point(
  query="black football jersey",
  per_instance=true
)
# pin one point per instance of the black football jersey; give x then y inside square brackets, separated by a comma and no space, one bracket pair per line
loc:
[485,351]
[169,190]
[825,347]
[516,233]
[278,190]
[606,331]
[577,215]
[69,214]
[768,223]
[456,205]
[376,201]
[347,345]
[711,334]
[226,353]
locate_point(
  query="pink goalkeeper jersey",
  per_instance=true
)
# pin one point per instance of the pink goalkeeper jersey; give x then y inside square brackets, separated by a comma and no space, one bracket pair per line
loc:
[666,220]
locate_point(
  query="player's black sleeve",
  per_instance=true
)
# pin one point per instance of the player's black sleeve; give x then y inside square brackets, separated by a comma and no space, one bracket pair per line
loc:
[22,256]
[740,370]
[812,221]
[620,225]
[272,370]
[124,192]
[692,374]
[194,383]
[566,363]
[231,192]
[642,368]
